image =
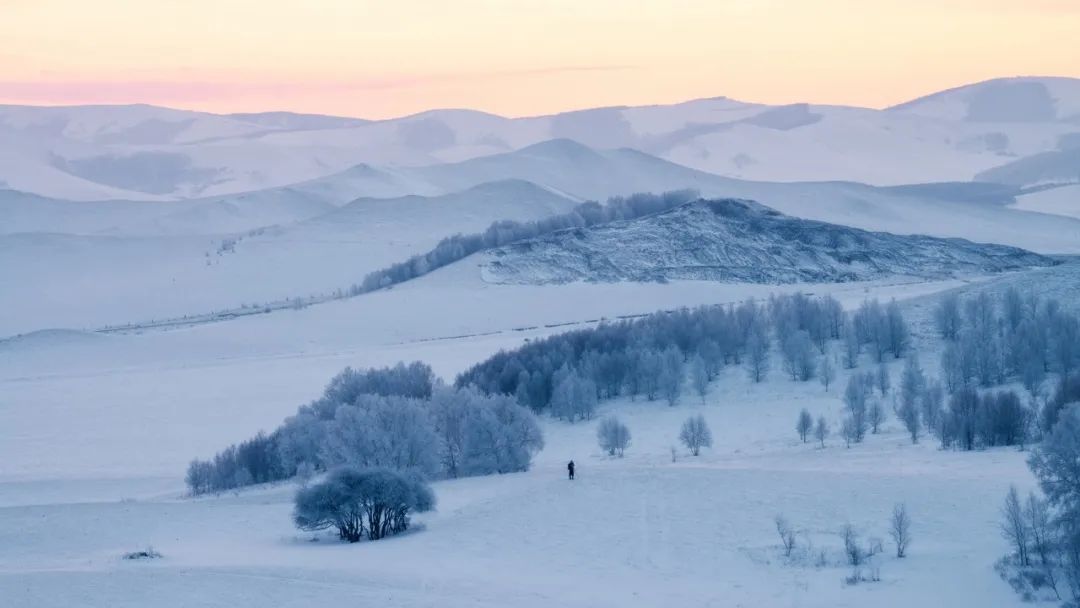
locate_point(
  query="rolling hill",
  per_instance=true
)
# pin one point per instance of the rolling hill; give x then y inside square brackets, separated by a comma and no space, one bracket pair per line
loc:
[742,242]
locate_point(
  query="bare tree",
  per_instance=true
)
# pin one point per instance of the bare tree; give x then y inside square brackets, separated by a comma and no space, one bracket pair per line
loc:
[804,425]
[787,534]
[1013,526]
[875,415]
[695,434]
[909,415]
[855,554]
[883,380]
[900,529]
[1040,524]
[821,430]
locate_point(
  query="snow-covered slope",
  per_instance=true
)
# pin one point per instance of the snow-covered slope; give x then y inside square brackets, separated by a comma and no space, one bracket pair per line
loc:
[739,241]
[143,152]
[1063,200]
[124,278]
[1002,100]
[975,212]
[1054,167]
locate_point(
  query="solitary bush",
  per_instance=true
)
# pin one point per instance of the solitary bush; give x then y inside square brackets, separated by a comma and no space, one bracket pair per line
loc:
[786,533]
[695,434]
[854,553]
[377,502]
[613,436]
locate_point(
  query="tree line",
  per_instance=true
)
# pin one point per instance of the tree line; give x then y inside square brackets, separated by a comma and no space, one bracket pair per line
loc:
[504,232]
[656,355]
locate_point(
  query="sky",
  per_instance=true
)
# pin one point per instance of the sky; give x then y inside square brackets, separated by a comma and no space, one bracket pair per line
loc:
[379,59]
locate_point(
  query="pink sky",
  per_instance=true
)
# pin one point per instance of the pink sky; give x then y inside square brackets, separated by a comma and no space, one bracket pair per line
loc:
[518,57]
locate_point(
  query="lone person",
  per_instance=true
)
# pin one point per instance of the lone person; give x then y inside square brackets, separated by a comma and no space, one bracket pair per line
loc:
[570,469]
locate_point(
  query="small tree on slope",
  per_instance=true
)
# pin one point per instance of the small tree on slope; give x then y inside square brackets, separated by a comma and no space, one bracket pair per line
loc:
[695,434]
[613,436]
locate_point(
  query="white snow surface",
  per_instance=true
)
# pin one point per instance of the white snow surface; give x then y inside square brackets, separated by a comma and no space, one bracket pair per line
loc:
[98,428]
[1064,200]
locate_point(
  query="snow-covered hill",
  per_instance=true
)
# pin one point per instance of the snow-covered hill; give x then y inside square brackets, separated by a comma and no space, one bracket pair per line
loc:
[144,152]
[740,241]
[120,278]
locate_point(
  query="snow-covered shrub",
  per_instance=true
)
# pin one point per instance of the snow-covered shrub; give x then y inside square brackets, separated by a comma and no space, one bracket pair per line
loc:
[786,533]
[356,501]
[147,553]
[613,436]
[695,434]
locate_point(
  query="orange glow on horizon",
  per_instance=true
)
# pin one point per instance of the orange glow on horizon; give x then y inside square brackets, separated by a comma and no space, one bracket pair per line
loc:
[518,57]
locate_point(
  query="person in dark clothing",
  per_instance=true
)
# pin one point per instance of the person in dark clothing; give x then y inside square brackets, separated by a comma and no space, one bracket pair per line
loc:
[570,469]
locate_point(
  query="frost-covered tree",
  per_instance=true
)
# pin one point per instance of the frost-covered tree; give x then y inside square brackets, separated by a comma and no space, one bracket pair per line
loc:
[897,333]
[804,424]
[855,400]
[912,383]
[613,436]
[947,316]
[695,434]
[757,354]
[883,380]
[1014,527]
[875,415]
[671,376]
[821,430]
[826,372]
[1056,463]
[900,529]
[852,347]
[382,432]
[699,376]
[931,404]
[800,359]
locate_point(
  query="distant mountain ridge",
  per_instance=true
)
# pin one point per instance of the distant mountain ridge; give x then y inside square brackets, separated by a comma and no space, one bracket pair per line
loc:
[149,153]
[732,240]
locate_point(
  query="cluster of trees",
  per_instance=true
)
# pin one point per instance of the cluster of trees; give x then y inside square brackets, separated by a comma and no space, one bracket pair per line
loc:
[358,502]
[649,356]
[395,418]
[1045,532]
[863,411]
[504,232]
[654,356]
[990,341]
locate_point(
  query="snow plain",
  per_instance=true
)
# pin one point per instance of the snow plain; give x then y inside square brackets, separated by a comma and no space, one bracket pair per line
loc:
[83,483]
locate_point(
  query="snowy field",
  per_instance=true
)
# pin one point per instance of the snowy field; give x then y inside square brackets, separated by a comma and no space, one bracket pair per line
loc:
[97,430]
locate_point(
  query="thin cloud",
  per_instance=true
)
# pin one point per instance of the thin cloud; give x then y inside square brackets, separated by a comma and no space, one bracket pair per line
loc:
[183,89]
